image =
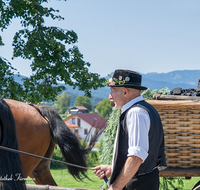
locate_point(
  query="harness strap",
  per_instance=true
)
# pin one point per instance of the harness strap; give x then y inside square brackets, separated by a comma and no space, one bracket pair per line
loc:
[33,105]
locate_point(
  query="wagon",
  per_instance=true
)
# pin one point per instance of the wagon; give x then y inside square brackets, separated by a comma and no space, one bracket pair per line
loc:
[181,124]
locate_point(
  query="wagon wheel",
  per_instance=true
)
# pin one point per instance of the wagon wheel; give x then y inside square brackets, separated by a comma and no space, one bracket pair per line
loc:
[197,186]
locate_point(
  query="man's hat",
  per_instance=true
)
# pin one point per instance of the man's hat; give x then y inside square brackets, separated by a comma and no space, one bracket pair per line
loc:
[126,78]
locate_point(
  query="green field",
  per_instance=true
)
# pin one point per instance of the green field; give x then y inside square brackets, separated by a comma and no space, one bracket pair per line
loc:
[64,179]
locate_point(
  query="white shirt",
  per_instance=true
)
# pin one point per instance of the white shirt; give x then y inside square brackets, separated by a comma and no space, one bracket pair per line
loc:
[138,124]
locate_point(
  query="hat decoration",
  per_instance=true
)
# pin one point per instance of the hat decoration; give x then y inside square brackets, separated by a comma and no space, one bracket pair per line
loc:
[113,81]
[125,78]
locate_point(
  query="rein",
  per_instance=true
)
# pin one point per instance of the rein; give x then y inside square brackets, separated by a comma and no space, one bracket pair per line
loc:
[45,158]
[41,157]
[50,159]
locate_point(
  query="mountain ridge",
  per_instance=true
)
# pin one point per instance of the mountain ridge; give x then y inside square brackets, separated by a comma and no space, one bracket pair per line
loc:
[153,80]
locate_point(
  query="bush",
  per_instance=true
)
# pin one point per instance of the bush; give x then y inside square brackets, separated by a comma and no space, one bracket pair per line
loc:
[57,155]
[92,159]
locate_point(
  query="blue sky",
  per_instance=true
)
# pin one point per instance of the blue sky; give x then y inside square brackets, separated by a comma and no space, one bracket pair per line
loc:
[141,35]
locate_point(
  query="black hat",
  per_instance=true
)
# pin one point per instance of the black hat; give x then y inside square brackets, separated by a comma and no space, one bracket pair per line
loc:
[126,78]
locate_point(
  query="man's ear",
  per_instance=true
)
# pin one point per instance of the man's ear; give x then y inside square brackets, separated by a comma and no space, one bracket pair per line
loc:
[125,91]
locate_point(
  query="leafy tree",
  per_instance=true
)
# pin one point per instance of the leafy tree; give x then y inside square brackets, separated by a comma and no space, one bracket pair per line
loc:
[104,108]
[64,115]
[83,101]
[8,87]
[107,143]
[62,102]
[46,47]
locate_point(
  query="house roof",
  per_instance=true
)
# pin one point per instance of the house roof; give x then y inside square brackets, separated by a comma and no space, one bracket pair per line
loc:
[79,107]
[97,104]
[93,119]
[71,125]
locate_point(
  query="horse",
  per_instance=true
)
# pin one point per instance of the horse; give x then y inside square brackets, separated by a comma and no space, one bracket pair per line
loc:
[36,131]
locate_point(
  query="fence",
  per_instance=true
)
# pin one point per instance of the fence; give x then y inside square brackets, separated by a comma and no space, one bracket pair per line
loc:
[47,187]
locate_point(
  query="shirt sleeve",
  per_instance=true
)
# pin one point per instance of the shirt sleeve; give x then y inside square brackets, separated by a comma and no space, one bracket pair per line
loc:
[138,124]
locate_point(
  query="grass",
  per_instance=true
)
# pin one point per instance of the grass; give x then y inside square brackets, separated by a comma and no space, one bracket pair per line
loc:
[188,183]
[64,179]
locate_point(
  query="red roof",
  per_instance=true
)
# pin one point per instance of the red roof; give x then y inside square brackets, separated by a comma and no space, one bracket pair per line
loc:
[79,107]
[97,104]
[94,119]
[71,125]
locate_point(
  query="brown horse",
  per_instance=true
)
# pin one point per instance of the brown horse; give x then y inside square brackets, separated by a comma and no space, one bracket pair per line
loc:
[36,135]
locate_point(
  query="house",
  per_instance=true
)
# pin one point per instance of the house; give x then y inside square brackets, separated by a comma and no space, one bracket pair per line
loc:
[94,107]
[77,109]
[81,124]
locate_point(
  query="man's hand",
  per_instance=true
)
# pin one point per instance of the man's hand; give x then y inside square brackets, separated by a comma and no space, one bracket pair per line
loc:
[130,168]
[102,170]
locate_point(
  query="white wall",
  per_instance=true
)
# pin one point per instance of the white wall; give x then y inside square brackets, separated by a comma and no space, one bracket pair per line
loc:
[83,125]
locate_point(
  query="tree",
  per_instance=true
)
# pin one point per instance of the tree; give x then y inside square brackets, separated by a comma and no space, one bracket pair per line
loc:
[104,108]
[46,47]
[83,101]
[107,143]
[8,87]
[62,102]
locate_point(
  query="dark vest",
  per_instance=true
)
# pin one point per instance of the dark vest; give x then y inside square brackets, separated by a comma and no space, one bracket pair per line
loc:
[156,155]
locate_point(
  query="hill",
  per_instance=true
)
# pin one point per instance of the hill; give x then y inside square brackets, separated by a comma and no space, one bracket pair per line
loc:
[180,78]
[184,79]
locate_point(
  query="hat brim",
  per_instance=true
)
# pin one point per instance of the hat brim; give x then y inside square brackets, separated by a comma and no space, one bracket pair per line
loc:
[130,86]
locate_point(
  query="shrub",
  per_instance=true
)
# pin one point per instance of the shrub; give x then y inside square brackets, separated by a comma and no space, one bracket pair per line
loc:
[93,159]
[57,155]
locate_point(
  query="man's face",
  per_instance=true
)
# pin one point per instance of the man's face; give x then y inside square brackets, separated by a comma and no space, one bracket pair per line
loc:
[116,95]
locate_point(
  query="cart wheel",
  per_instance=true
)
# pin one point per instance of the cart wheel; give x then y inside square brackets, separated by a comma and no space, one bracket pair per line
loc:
[197,186]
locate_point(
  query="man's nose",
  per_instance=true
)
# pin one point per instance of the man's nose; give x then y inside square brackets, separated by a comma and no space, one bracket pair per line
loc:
[110,97]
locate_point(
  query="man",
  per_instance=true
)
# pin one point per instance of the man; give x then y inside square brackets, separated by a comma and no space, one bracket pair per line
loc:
[139,144]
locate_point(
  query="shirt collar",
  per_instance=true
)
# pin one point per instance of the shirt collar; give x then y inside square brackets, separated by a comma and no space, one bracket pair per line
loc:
[130,103]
